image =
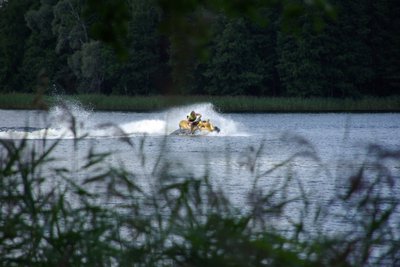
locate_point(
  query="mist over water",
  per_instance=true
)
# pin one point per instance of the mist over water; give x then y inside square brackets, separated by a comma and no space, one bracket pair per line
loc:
[70,119]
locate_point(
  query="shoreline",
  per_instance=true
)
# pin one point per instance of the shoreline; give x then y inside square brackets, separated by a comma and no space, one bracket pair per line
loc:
[224,104]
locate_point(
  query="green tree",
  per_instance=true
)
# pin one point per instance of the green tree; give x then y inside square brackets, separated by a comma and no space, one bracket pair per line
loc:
[90,66]
[202,47]
[352,54]
[300,65]
[70,29]
[14,34]
[265,38]
[384,43]
[235,68]
[69,25]
[40,56]
[146,67]
[335,61]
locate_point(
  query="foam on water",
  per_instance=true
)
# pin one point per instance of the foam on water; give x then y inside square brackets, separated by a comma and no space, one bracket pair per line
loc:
[60,122]
[144,127]
[228,126]
[171,118]
[70,119]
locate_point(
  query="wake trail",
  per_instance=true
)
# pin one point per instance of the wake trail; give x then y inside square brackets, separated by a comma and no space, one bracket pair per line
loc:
[70,119]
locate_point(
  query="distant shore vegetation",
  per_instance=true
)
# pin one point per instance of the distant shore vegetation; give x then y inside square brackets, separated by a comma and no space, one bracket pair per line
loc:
[263,48]
[232,104]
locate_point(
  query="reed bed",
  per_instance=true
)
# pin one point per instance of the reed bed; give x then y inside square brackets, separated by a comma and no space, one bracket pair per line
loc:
[22,101]
[222,103]
[287,104]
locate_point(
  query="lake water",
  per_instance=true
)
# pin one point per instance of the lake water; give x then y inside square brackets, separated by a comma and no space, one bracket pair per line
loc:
[248,144]
[316,154]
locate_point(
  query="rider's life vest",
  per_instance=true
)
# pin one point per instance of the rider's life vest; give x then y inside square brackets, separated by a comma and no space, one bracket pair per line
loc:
[191,118]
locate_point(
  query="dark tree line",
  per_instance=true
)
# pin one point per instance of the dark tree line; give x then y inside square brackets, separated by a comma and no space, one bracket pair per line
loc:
[356,54]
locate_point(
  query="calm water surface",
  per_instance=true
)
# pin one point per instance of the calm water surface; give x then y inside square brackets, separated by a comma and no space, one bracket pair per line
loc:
[248,145]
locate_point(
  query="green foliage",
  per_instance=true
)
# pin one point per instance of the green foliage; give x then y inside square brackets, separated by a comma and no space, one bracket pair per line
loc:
[69,26]
[110,25]
[89,65]
[145,69]
[13,36]
[300,66]
[261,48]
[235,67]
[383,44]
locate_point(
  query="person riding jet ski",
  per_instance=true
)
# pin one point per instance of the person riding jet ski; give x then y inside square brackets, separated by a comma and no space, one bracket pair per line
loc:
[193,119]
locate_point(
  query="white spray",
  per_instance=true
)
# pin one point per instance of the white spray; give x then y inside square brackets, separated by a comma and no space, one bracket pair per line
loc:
[71,119]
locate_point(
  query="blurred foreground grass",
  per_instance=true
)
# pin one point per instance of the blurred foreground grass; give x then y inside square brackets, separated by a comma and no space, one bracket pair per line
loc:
[91,213]
[222,103]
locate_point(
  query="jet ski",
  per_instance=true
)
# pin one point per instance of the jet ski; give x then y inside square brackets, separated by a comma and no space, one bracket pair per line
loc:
[202,127]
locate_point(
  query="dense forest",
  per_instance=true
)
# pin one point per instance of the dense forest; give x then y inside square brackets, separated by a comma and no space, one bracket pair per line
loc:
[356,53]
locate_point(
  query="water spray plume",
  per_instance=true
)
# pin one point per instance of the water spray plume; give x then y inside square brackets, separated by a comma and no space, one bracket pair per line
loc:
[69,119]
